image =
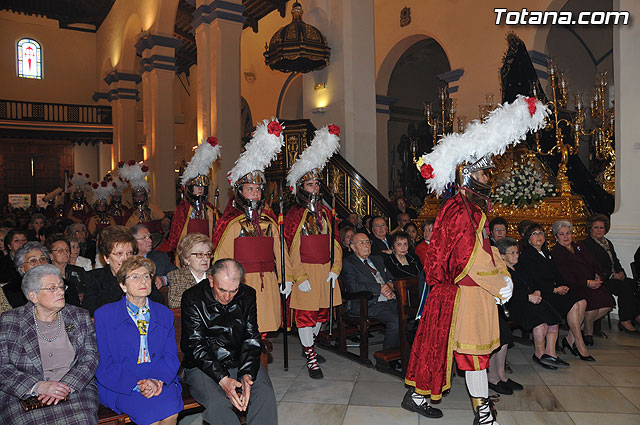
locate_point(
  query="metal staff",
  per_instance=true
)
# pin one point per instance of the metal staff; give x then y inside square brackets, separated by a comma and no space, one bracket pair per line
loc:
[332,250]
[283,280]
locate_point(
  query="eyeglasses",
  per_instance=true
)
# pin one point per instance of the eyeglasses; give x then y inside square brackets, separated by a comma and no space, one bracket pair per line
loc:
[33,261]
[137,277]
[537,233]
[141,238]
[62,250]
[201,255]
[122,254]
[54,289]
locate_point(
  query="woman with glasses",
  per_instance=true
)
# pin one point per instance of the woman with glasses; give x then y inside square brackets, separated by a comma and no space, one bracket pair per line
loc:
[60,252]
[101,286]
[138,370]
[75,258]
[48,354]
[536,264]
[583,276]
[194,251]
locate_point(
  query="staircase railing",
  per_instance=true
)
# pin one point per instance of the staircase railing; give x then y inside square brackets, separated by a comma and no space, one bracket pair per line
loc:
[354,193]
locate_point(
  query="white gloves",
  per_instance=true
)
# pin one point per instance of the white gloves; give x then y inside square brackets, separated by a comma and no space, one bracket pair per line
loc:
[332,278]
[287,289]
[507,291]
[305,286]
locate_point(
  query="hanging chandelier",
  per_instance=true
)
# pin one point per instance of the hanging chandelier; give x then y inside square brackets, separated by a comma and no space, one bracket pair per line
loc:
[297,47]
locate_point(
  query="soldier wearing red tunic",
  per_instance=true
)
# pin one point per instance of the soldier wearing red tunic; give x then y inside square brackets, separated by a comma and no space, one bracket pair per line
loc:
[308,233]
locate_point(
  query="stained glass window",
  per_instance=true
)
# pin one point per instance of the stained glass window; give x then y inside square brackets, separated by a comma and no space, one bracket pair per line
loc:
[29,59]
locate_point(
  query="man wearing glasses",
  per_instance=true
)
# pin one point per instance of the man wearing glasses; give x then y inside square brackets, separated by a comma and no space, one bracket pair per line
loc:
[142,235]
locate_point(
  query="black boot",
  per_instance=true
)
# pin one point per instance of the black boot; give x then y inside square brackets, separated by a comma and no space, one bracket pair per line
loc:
[312,363]
[424,408]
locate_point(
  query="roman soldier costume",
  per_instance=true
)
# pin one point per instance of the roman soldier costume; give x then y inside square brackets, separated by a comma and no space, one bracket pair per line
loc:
[248,229]
[143,211]
[100,200]
[117,209]
[194,213]
[307,228]
[460,318]
[79,210]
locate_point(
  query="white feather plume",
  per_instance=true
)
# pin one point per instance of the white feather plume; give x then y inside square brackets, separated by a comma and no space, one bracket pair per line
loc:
[204,156]
[79,180]
[316,156]
[119,183]
[259,152]
[507,125]
[101,192]
[135,175]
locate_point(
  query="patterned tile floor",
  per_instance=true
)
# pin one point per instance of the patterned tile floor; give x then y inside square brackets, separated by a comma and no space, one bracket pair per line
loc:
[604,392]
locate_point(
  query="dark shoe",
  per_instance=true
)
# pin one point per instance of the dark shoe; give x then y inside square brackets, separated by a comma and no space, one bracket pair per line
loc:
[312,364]
[556,361]
[319,357]
[395,365]
[586,358]
[501,388]
[315,373]
[627,331]
[572,350]
[507,368]
[425,409]
[547,365]
[514,385]
[588,340]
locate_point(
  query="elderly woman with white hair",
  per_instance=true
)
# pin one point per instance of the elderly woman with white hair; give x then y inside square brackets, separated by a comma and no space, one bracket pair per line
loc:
[48,356]
[582,274]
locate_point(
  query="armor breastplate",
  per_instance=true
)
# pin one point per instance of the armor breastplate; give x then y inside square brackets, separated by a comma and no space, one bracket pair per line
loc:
[103,219]
[143,214]
[78,206]
[247,228]
[199,211]
[312,227]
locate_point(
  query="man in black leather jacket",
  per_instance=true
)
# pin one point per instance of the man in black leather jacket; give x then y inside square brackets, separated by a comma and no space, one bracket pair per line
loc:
[221,346]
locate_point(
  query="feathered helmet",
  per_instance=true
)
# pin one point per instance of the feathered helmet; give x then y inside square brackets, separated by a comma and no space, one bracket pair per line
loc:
[264,146]
[309,166]
[79,180]
[101,192]
[471,150]
[197,171]
[135,174]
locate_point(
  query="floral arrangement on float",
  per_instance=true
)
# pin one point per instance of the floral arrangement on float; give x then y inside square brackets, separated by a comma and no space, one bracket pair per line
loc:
[525,186]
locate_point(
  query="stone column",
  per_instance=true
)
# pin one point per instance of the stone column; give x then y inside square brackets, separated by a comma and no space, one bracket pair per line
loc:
[218,27]
[625,223]
[123,95]
[158,73]
[350,93]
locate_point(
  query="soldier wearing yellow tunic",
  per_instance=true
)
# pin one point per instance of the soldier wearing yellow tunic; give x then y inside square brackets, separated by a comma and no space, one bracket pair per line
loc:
[307,228]
[248,231]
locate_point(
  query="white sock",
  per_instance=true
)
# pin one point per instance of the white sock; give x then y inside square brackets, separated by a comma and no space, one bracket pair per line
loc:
[306,336]
[477,383]
[418,399]
[316,329]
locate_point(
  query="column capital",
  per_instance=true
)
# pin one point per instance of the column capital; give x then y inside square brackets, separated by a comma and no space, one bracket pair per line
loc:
[157,51]
[218,9]
[122,86]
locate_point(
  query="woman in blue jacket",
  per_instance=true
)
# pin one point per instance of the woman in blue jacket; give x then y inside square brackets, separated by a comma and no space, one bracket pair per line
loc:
[137,373]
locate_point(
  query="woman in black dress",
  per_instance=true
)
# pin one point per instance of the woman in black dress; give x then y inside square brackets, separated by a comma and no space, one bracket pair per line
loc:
[528,308]
[401,263]
[535,263]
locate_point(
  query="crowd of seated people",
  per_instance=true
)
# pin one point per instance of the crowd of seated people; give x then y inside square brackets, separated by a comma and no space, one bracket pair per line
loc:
[122,274]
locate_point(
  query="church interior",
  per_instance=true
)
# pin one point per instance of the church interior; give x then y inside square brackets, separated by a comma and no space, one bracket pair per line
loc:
[87,85]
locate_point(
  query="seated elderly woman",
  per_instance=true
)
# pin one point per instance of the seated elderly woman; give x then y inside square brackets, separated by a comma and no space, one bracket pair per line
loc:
[48,354]
[194,251]
[101,286]
[75,258]
[33,254]
[138,368]
[401,263]
[535,263]
[60,253]
[602,251]
[527,307]
[582,275]
[346,233]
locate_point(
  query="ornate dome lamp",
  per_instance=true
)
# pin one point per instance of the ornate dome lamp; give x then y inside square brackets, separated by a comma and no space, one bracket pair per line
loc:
[297,47]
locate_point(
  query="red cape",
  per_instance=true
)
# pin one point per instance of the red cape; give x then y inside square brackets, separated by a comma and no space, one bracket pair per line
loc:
[452,242]
[178,223]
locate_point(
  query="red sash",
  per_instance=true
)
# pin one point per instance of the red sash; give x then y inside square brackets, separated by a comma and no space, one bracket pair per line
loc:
[255,253]
[198,225]
[314,249]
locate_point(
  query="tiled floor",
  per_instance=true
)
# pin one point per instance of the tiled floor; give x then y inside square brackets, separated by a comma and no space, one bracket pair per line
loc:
[606,392]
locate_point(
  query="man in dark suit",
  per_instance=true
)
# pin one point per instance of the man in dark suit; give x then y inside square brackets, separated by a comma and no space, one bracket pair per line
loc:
[366,272]
[163,265]
[380,243]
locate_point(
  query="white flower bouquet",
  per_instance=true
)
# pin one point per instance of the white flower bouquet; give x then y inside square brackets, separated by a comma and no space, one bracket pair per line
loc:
[525,186]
